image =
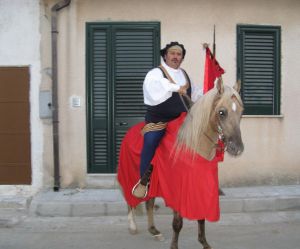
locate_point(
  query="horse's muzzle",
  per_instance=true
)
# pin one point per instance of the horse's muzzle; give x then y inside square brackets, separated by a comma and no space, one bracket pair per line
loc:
[234,148]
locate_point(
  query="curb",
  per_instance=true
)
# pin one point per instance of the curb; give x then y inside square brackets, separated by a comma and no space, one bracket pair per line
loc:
[110,202]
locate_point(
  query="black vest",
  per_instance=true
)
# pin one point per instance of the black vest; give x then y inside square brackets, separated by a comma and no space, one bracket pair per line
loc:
[169,109]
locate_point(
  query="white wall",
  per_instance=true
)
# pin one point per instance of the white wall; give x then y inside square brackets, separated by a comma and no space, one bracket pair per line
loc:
[20,46]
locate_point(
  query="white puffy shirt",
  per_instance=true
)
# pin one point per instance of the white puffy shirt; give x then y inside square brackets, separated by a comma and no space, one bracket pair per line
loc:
[158,89]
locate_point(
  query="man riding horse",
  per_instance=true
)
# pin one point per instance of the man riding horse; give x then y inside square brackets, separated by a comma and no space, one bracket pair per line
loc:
[163,89]
[183,147]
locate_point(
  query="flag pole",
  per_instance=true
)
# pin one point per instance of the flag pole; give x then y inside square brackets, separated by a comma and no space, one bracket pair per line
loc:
[214,43]
[205,45]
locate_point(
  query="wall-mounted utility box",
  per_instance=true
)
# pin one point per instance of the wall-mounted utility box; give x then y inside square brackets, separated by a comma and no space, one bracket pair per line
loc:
[45,104]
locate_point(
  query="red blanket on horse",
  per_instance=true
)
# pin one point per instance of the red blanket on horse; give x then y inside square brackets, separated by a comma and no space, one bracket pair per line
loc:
[188,183]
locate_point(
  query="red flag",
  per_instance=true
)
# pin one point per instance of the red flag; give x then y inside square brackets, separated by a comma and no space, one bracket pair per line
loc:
[212,71]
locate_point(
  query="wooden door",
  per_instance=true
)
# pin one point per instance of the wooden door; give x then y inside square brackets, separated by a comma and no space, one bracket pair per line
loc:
[15,158]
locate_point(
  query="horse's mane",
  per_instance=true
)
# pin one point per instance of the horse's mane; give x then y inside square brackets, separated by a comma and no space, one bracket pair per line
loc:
[198,119]
[196,122]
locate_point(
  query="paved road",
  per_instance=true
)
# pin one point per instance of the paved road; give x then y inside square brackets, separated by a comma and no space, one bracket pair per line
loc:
[110,232]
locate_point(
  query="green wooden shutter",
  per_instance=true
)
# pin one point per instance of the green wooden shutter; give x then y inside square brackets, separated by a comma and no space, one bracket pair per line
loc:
[136,50]
[98,104]
[258,49]
[118,58]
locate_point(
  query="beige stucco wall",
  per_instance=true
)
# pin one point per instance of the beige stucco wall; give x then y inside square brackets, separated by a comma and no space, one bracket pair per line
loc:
[271,143]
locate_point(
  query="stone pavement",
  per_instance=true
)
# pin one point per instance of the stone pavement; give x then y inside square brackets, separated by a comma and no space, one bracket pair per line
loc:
[284,200]
[110,232]
[251,217]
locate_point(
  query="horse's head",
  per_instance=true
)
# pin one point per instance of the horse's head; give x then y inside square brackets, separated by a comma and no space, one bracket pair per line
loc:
[216,114]
[226,116]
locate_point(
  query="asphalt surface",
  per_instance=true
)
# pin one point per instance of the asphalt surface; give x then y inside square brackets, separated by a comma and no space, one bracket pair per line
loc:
[234,231]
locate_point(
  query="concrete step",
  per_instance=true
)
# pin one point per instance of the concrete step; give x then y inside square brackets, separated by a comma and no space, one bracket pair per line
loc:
[14,202]
[110,202]
[13,209]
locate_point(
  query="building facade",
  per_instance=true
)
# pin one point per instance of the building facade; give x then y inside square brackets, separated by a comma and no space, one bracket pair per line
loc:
[104,49]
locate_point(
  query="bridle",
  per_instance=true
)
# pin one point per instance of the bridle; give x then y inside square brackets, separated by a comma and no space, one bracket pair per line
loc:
[220,133]
[221,137]
[218,145]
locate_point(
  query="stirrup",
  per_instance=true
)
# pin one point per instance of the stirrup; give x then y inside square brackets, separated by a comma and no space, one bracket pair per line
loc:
[139,190]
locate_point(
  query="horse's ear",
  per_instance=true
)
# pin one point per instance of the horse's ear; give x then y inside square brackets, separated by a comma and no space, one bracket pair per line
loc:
[237,85]
[220,85]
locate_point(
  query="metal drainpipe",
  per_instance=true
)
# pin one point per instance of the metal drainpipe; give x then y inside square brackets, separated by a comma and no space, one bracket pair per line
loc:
[60,5]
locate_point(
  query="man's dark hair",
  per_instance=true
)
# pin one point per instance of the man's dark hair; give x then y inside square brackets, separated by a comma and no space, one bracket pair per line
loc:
[164,51]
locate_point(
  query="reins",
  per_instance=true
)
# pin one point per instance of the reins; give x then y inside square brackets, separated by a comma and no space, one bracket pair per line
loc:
[183,102]
[180,95]
[217,145]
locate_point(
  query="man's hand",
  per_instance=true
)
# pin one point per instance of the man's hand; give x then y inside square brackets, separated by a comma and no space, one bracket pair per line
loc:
[182,90]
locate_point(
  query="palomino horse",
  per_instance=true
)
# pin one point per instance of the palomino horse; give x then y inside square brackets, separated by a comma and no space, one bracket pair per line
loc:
[214,116]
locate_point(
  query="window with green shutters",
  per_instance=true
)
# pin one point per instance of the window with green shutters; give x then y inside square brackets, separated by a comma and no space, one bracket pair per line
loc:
[118,57]
[258,67]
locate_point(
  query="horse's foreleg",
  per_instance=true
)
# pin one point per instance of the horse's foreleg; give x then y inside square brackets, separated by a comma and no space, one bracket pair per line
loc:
[177,225]
[131,220]
[201,234]
[151,227]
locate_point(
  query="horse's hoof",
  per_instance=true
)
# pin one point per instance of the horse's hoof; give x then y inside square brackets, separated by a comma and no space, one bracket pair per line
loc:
[132,231]
[159,237]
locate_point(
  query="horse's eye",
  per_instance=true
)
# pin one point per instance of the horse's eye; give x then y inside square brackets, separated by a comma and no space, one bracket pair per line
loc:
[222,113]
